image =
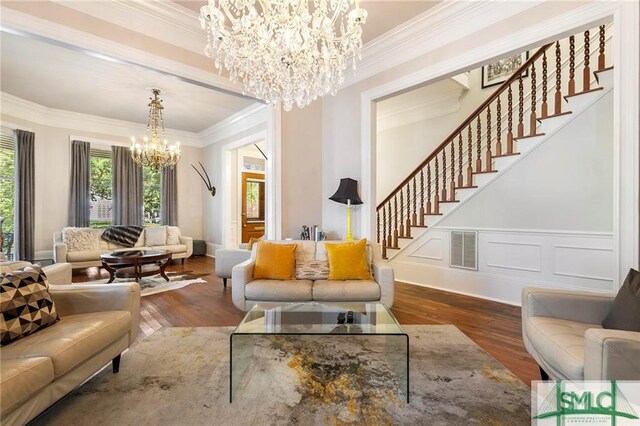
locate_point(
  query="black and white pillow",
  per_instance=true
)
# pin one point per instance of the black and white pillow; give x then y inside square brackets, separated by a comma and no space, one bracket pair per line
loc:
[25,303]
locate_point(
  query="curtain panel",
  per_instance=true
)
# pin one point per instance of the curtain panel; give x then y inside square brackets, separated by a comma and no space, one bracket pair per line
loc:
[25,199]
[169,197]
[80,195]
[127,188]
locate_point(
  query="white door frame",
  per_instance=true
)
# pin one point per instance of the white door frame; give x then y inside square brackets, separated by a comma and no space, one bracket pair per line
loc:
[626,226]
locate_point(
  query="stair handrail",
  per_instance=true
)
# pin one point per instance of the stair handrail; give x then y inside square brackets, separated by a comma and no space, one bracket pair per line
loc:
[473,116]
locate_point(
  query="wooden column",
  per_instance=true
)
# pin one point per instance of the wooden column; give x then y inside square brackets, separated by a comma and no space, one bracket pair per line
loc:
[586,72]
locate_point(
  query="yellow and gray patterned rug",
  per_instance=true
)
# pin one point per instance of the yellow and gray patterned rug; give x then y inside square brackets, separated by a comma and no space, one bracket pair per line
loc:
[180,376]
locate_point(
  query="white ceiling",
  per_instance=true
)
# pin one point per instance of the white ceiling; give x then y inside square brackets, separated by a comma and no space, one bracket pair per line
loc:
[61,78]
[383,15]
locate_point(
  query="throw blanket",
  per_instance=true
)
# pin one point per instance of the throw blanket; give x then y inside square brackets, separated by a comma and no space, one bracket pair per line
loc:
[123,235]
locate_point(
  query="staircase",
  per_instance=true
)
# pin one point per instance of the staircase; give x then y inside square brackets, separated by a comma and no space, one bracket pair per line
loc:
[485,145]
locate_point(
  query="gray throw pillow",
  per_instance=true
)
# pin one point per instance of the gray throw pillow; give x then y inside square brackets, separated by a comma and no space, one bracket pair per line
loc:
[625,313]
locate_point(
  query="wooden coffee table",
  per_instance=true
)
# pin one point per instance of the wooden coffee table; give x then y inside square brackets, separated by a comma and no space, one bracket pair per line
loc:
[136,263]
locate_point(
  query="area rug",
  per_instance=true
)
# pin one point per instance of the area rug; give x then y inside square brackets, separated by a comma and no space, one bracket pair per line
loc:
[156,284]
[180,376]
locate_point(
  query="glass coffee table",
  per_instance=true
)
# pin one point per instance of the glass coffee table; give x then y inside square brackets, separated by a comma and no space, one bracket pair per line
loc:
[360,320]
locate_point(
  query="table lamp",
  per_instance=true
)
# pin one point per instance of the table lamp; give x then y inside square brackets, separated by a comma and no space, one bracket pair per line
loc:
[347,193]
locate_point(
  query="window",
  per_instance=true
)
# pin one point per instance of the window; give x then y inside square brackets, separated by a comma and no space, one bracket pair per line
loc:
[7,193]
[151,196]
[101,199]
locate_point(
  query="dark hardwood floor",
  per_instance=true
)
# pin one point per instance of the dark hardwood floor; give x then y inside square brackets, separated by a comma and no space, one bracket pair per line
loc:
[493,326]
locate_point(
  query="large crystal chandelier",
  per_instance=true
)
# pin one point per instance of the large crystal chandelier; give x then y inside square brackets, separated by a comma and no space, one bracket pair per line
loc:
[288,50]
[155,150]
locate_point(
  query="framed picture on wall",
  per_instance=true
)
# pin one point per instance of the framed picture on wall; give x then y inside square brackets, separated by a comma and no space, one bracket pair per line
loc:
[499,71]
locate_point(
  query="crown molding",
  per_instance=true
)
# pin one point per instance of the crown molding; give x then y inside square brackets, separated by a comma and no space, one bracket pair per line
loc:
[245,119]
[14,106]
[25,24]
[444,23]
[160,19]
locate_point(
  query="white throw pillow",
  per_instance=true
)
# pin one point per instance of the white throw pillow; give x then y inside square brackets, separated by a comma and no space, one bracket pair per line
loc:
[81,239]
[173,235]
[155,236]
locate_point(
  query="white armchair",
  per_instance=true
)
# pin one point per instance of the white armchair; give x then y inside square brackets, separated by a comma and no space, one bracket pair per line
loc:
[562,331]
[58,273]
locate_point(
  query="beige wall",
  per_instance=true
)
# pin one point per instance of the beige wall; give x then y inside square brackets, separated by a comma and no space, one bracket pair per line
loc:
[52,178]
[302,166]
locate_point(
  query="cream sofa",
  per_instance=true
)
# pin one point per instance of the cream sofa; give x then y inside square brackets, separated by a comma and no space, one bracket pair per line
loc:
[87,258]
[98,322]
[246,291]
[59,273]
[562,331]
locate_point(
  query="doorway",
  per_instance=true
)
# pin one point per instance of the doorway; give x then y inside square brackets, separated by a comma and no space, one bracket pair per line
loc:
[253,206]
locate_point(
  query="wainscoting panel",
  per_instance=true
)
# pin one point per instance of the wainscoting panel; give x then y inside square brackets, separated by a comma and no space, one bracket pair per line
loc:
[509,260]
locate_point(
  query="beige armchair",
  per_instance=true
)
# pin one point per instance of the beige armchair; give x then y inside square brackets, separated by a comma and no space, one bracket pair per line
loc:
[562,331]
[58,273]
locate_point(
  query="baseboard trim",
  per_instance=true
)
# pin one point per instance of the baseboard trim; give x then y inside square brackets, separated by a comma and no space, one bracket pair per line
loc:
[464,293]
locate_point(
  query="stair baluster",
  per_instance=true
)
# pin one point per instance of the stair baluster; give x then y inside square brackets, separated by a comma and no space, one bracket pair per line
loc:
[510,121]
[452,186]
[384,231]
[479,146]
[429,205]
[586,72]
[488,154]
[545,107]
[436,198]
[407,228]
[399,219]
[422,212]
[499,128]
[572,66]
[601,39]
[520,107]
[444,175]
[557,105]
[389,214]
[533,124]
[414,218]
[395,222]
[460,179]
[470,159]
[378,226]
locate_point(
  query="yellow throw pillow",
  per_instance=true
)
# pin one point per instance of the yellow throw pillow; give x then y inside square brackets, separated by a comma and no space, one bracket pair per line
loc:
[275,261]
[252,241]
[348,261]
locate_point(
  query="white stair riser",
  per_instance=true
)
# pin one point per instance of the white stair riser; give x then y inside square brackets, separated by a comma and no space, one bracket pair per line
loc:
[416,232]
[500,163]
[605,78]
[464,193]
[580,103]
[526,145]
[550,125]
[403,242]
[483,178]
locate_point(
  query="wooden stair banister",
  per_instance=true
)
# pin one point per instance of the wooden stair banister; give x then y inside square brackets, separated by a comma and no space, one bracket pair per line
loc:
[469,119]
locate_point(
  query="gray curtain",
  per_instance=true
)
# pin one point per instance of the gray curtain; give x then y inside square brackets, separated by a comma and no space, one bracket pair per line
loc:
[25,200]
[169,198]
[127,188]
[79,199]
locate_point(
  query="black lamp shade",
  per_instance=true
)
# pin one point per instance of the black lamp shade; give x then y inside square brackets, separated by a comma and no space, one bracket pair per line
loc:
[348,190]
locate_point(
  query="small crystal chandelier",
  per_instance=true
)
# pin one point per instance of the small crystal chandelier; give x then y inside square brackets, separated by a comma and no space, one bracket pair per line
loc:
[288,50]
[155,151]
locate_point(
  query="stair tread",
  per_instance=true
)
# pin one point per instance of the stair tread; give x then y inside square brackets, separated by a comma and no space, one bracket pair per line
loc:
[449,201]
[485,171]
[505,155]
[582,93]
[529,136]
[419,226]
[466,187]
[406,238]
[392,248]
[554,116]
[433,214]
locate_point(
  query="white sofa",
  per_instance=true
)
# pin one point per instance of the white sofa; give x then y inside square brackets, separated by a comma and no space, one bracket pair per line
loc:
[246,292]
[91,257]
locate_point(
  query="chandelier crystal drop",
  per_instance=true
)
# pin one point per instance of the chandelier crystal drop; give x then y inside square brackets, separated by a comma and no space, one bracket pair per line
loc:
[155,150]
[284,50]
